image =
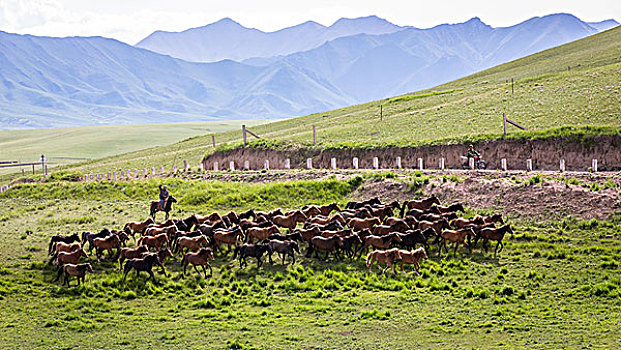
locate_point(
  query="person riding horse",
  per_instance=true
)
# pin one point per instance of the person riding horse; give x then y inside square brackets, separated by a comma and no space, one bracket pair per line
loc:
[163,196]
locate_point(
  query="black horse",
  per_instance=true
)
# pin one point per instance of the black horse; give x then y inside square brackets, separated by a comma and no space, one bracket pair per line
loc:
[60,238]
[253,250]
[144,264]
[168,206]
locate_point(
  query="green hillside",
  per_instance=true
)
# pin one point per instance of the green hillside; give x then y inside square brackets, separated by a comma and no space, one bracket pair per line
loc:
[574,84]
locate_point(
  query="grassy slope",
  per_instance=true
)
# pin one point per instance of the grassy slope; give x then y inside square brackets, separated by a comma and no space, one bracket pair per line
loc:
[100,141]
[546,95]
[556,285]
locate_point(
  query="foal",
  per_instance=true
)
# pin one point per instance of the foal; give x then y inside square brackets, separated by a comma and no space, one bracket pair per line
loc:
[78,271]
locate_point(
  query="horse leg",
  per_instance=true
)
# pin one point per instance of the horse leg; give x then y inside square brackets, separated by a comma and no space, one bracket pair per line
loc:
[121,259]
[151,274]
[210,269]
[204,271]
[60,272]
[196,269]
[455,250]
[66,281]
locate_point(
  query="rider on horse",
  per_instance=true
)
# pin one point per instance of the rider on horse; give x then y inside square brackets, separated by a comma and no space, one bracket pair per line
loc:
[163,196]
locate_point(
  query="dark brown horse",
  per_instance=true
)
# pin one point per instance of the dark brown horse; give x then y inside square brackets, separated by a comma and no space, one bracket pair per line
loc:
[252,250]
[107,243]
[289,221]
[143,264]
[419,204]
[284,248]
[60,238]
[70,257]
[494,234]
[332,244]
[131,253]
[167,207]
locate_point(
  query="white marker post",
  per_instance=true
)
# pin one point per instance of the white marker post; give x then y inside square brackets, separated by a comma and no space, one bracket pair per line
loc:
[246,165]
[266,164]
[594,165]
[355,162]
[503,164]
[375,163]
[232,165]
[441,164]
[309,163]
[529,165]
[398,162]
[215,166]
[333,163]
[287,163]
[420,164]
[562,165]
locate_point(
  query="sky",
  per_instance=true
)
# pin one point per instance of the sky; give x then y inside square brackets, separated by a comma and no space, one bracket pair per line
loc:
[132,20]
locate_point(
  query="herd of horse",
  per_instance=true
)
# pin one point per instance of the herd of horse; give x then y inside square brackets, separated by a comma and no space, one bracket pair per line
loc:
[398,233]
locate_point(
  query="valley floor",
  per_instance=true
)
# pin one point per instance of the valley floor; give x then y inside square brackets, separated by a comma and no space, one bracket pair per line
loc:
[557,283]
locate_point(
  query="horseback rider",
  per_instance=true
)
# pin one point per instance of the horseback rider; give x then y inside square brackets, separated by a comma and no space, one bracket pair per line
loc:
[472,153]
[163,196]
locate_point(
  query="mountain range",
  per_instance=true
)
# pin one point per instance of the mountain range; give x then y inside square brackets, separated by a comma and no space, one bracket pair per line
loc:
[226,71]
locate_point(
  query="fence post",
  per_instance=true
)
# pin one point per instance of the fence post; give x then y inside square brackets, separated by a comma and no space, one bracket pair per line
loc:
[91,177]
[213,141]
[594,165]
[215,165]
[529,165]
[375,163]
[174,169]
[333,163]
[441,164]
[232,165]
[114,176]
[309,163]
[122,174]
[161,170]
[266,164]
[562,165]
[109,176]
[185,165]
[244,134]
[287,163]
[398,162]
[152,170]
[246,165]
[503,164]
[420,163]
[471,163]
[355,162]
[33,171]
[144,172]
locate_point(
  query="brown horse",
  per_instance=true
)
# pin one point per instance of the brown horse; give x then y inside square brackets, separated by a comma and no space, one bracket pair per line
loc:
[494,234]
[492,219]
[200,258]
[437,225]
[408,220]
[107,244]
[156,242]
[209,218]
[412,258]
[342,233]
[228,237]
[131,253]
[358,224]
[289,221]
[461,222]
[77,270]
[191,243]
[455,207]
[70,258]
[311,210]
[155,206]
[64,247]
[261,233]
[162,254]
[133,227]
[168,230]
[380,242]
[389,257]
[231,218]
[422,204]
[331,244]
[309,233]
[399,226]
[61,238]
[456,236]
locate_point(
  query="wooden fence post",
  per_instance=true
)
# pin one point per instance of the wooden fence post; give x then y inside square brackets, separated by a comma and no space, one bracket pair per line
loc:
[333,163]
[503,164]
[244,134]
[213,141]
[287,163]
[529,165]
[398,162]
[355,162]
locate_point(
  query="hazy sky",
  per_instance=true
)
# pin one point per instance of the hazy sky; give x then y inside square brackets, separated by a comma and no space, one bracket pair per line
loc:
[132,20]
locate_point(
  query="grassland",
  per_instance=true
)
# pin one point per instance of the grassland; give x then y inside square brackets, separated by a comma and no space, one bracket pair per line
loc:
[70,145]
[556,284]
[546,94]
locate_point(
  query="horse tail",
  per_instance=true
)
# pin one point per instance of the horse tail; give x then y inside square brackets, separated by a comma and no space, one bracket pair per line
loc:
[403,206]
[49,249]
[369,258]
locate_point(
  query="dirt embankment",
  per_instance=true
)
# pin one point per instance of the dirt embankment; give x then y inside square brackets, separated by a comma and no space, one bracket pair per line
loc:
[545,155]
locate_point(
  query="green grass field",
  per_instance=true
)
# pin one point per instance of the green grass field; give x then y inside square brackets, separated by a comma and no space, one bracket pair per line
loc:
[545,95]
[555,285]
[70,145]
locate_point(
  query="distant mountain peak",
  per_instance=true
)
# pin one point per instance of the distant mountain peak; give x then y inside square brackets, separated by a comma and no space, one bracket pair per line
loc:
[366,20]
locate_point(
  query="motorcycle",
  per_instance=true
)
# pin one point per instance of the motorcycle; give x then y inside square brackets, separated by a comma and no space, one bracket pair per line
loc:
[479,163]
